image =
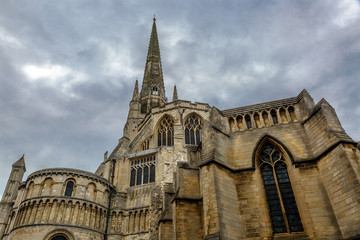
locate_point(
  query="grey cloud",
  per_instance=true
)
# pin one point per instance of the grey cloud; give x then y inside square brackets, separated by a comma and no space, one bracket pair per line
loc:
[213,50]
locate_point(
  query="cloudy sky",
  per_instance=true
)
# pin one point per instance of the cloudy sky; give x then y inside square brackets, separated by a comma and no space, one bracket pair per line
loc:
[67,68]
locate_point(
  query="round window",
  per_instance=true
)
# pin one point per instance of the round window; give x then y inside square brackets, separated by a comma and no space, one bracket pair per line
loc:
[59,238]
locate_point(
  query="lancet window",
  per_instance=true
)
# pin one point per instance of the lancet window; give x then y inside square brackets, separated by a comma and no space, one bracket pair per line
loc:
[142,171]
[193,126]
[166,132]
[284,213]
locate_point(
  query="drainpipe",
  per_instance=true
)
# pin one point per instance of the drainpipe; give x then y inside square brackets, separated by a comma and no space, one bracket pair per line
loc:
[109,202]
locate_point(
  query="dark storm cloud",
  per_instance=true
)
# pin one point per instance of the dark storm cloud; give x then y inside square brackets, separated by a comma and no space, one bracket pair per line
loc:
[67,69]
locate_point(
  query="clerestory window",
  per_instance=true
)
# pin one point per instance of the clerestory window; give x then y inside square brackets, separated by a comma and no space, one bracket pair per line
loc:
[69,188]
[193,126]
[284,213]
[142,171]
[166,132]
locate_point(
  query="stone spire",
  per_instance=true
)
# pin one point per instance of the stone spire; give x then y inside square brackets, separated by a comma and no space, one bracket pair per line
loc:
[153,89]
[136,91]
[20,163]
[175,95]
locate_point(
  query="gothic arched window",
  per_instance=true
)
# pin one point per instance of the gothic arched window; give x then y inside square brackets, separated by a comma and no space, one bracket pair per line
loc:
[166,132]
[69,188]
[193,126]
[284,213]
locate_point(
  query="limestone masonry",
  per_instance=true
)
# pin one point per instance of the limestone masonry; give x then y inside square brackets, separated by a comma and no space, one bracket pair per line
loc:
[284,169]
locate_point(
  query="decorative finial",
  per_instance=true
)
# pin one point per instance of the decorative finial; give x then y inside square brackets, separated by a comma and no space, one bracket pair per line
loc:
[154,18]
[175,95]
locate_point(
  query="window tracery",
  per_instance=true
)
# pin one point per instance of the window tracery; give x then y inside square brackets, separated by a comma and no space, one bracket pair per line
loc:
[193,126]
[166,132]
[284,213]
[142,171]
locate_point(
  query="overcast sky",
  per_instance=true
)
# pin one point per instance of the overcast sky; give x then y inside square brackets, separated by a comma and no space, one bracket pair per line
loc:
[68,68]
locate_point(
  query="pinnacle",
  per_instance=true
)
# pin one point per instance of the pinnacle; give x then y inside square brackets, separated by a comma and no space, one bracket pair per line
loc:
[175,94]
[136,91]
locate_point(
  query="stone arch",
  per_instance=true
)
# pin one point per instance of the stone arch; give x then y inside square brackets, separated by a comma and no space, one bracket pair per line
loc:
[165,130]
[248,121]
[274,116]
[232,124]
[257,120]
[106,197]
[91,191]
[58,233]
[30,190]
[69,187]
[283,116]
[273,140]
[265,117]
[239,122]
[47,186]
[292,114]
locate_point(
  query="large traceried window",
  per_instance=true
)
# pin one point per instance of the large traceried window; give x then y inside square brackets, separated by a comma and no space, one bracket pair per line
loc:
[193,126]
[284,213]
[142,171]
[166,132]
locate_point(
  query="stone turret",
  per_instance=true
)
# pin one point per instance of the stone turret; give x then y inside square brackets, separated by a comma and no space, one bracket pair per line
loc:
[10,193]
[15,178]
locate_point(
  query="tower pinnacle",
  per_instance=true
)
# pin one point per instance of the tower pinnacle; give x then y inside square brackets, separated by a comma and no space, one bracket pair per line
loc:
[175,94]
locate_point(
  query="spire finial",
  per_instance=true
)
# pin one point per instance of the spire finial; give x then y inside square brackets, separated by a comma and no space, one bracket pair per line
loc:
[136,91]
[154,18]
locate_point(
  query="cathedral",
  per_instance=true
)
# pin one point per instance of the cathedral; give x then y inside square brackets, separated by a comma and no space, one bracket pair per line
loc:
[283,169]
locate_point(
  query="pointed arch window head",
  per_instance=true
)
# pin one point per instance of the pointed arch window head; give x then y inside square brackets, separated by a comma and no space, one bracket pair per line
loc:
[166,132]
[69,188]
[284,213]
[193,127]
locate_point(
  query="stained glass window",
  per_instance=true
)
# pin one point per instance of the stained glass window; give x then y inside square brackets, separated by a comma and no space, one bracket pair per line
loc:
[166,132]
[193,126]
[69,188]
[284,213]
